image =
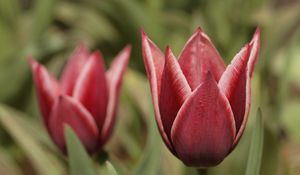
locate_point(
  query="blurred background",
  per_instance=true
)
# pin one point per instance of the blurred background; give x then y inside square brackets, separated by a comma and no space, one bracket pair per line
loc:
[49,30]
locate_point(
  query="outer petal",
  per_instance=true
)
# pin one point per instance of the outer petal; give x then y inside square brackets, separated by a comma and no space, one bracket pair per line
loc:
[114,78]
[154,63]
[204,130]
[73,68]
[91,88]
[199,56]
[68,111]
[235,82]
[174,90]
[47,89]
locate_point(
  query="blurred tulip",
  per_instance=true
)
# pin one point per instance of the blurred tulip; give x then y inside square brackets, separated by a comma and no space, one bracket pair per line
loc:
[201,106]
[85,98]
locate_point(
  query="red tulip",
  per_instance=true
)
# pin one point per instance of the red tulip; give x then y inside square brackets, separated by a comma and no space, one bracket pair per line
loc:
[201,106]
[85,97]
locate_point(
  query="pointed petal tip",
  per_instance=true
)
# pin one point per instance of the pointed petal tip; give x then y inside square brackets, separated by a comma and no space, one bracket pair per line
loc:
[256,36]
[123,56]
[34,65]
[142,31]
[127,50]
[81,52]
[198,30]
[82,47]
[96,54]
[146,41]
[168,51]
[257,30]
[199,33]
[169,55]
[254,48]
[32,62]
[143,34]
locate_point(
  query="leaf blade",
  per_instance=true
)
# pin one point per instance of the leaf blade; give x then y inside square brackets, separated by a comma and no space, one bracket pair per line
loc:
[79,161]
[41,159]
[256,147]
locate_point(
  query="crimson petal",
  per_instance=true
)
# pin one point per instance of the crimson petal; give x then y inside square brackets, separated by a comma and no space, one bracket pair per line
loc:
[71,72]
[199,56]
[154,63]
[174,90]
[114,78]
[204,129]
[91,88]
[47,89]
[235,82]
[69,111]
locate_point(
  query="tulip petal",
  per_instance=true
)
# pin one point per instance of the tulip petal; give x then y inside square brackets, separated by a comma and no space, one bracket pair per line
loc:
[174,91]
[233,84]
[204,129]
[114,78]
[154,63]
[47,89]
[71,72]
[199,56]
[69,111]
[236,85]
[91,88]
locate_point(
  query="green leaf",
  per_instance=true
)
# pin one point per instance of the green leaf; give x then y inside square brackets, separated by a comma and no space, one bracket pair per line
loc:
[7,164]
[149,163]
[42,160]
[271,158]
[79,160]
[107,168]
[110,169]
[256,147]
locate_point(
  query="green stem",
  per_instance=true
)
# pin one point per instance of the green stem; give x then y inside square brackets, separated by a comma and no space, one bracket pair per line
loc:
[202,171]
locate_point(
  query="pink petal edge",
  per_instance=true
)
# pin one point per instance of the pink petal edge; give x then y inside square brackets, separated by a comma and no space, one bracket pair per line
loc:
[114,78]
[47,88]
[72,70]
[240,71]
[255,46]
[174,91]
[154,62]
[233,84]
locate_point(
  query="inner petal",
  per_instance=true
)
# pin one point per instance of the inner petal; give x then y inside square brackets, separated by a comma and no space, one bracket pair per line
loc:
[174,91]
[198,57]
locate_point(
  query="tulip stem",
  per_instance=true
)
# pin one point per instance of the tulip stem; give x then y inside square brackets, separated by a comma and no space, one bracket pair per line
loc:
[202,171]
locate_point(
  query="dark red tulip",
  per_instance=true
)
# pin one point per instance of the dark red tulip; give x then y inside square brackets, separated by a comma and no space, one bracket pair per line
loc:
[85,97]
[201,106]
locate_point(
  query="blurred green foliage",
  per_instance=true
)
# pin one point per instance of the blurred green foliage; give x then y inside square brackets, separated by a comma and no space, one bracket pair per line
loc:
[50,29]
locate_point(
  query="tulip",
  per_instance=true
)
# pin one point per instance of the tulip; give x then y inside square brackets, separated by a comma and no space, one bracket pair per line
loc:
[85,97]
[201,106]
